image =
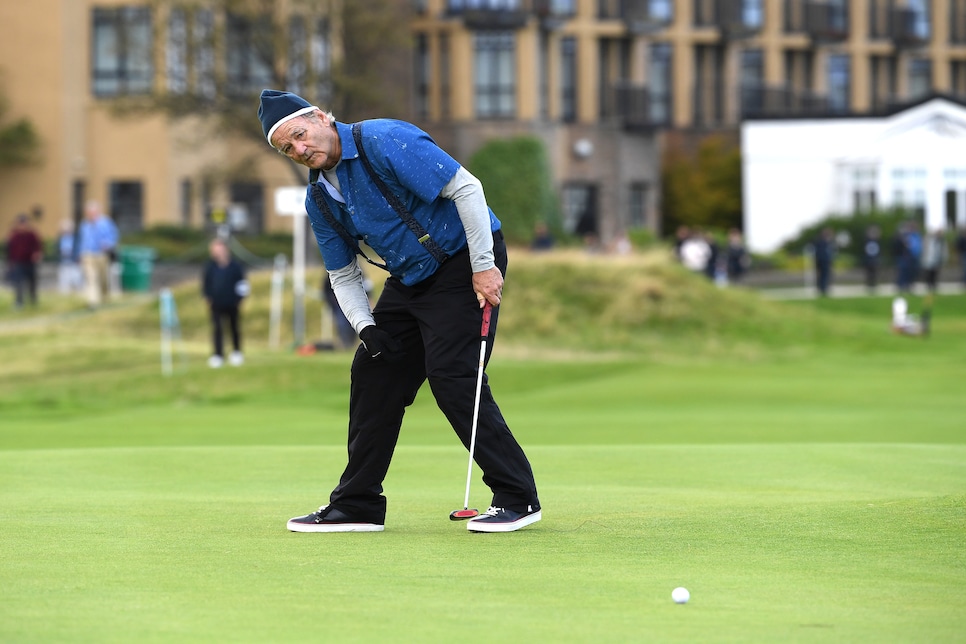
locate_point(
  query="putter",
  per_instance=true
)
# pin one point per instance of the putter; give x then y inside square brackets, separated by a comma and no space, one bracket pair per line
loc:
[467,512]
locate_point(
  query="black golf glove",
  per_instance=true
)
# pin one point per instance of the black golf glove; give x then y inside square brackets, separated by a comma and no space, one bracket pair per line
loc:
[380,344]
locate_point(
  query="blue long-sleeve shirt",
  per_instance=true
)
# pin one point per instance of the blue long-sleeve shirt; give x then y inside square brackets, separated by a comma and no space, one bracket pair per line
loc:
[98,236]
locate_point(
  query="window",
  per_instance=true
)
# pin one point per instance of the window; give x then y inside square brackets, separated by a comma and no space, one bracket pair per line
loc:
[709,85]
[659,82]
[921,27]
[176,52]
[752,81]
[637,205]
[127,205]
[793,16]
[298,57]
[580,209]
[249,48]
[957,80]
[920,77]
[660,10]
[203,43]
[121,56]
[704,13]
[864,179]
[457,6]
[752,13]
[494,74]
[444,74]
[839,71]
[320,49]
[957,21]
[544,74]
[568,79]
[422,74]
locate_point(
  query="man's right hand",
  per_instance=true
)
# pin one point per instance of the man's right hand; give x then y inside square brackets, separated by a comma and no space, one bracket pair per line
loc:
[380,344]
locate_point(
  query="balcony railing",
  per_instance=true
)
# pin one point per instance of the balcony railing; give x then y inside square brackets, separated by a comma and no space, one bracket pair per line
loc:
[738,19]
[909,28]
[510,14]
[760,101]
[638,108]
[645,16]
[827,21]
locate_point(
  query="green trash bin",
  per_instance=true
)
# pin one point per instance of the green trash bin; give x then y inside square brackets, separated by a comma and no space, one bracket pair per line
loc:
[137,264]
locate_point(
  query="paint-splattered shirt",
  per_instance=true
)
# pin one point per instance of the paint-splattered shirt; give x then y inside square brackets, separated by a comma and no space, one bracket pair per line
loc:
[415,169]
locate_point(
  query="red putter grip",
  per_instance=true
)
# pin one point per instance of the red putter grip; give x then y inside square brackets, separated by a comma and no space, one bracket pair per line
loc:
[487,310]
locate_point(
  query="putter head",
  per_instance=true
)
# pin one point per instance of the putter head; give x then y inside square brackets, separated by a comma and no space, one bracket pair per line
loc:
[465,513]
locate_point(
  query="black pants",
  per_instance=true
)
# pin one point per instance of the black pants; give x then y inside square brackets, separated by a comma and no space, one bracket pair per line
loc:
[24,278]
[218,314]
[438,323]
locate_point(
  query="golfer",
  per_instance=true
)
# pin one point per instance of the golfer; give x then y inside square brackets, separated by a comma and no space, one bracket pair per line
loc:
[386,182]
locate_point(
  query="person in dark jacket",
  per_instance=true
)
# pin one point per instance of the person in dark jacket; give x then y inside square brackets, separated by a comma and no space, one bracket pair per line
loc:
[824,258]
[224,286]
[24,251]
[871,256]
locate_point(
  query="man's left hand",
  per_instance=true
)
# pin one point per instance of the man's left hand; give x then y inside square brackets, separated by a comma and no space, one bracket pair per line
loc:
[488,286]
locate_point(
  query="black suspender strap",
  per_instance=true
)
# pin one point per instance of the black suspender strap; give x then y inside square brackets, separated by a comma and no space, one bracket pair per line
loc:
[428,242]
[330,219]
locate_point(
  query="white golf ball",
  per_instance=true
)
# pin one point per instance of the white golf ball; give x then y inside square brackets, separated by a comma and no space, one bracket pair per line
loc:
[680,595]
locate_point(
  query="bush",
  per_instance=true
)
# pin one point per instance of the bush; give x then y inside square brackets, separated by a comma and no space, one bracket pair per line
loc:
[516,177]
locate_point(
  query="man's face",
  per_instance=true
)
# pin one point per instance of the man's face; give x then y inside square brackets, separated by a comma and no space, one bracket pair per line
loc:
[309,140]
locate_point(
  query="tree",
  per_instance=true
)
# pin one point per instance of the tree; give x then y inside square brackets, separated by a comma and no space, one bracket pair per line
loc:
[702,188]
[219,55]
[516,176]
[19,141]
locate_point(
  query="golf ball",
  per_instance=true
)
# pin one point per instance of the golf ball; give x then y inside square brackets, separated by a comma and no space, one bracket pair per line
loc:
[680,595]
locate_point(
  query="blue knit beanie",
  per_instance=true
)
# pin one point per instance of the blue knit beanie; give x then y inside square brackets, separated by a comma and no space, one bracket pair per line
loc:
[275,107]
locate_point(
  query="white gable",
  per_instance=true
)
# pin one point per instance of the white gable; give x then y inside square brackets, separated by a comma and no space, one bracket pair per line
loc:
[797,172]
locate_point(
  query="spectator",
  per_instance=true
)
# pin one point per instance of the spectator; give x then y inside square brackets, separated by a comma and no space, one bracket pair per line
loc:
[224,287]
[69,277]
[24,252]
[738,259]
[542,238]
[695,253]
[98,245]
[933,258]
[824,250]
[871,256]
[907,248]
[961,250]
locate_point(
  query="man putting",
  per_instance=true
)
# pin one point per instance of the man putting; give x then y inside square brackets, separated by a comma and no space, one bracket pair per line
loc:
[386,182]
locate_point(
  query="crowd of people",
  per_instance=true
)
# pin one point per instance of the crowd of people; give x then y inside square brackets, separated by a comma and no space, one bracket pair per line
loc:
[86,257]
[699,251]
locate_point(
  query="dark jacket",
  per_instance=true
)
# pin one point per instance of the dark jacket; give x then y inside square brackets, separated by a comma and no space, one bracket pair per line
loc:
[220,284]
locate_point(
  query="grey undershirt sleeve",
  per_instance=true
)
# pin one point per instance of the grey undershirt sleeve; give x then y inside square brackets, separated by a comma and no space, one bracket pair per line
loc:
[467,192]
[350,290]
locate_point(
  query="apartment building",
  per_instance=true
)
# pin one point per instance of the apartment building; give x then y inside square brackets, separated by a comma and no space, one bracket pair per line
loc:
[69,66]
[604,81]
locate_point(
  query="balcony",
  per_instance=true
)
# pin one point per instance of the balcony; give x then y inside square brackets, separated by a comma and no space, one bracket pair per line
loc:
[479,15]
[910,28]
[637,108]
[761,101]
[738,19]
[646,16]
[827,21]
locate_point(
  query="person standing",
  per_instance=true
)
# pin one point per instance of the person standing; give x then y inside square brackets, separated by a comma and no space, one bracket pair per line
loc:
[24,252]
[824,249]
[98,243]
[871,256]
[224,286]
[961,251]
[68,271]
[738,258]
[388,183]
[933,258]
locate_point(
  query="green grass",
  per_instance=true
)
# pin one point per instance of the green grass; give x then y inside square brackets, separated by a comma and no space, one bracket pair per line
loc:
[802,471]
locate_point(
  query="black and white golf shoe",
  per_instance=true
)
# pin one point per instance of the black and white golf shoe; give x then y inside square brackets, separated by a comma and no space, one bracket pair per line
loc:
[503,520]
[329,519]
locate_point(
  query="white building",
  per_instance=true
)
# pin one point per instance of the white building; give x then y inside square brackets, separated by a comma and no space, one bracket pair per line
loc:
[796,172]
